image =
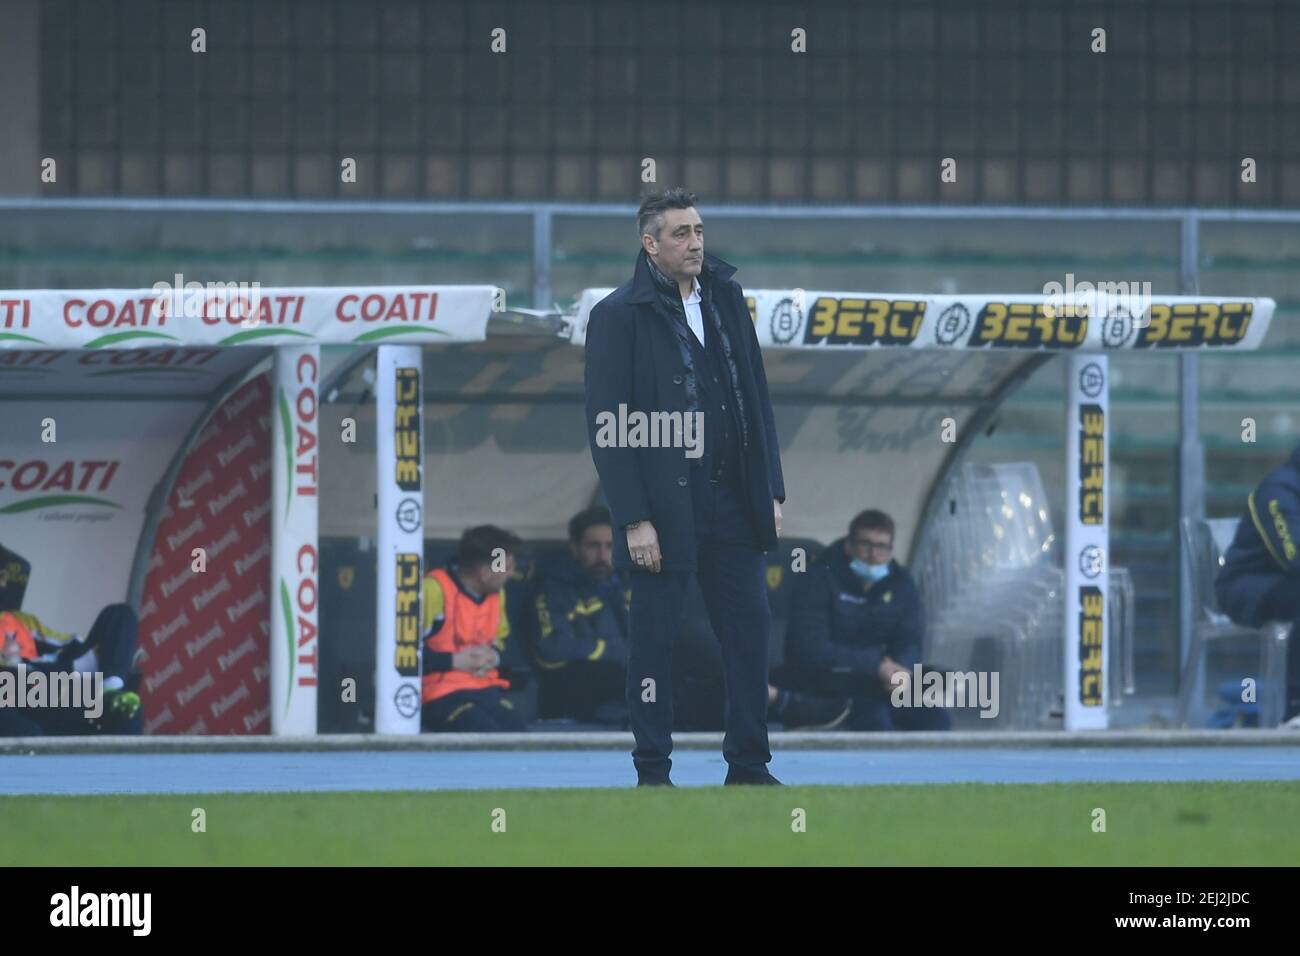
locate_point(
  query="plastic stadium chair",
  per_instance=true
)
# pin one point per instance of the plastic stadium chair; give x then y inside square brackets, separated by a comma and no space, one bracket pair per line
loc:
[994,596]
[1121,617]
[1215,636]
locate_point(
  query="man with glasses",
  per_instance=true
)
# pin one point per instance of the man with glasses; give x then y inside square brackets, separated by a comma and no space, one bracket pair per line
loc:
[855,622]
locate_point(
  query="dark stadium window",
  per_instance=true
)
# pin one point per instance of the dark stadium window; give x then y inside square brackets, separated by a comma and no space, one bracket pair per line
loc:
[998,181]
[529,176]
[829,179]
[616,177]
[744,178]
[1171,182]
[871,182]
[286,90]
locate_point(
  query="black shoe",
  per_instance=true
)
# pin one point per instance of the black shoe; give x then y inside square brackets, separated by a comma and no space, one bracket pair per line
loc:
[748,777]
[804,712]
[652,782]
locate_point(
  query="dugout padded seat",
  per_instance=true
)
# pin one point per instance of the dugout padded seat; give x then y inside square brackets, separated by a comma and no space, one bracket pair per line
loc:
[347,636]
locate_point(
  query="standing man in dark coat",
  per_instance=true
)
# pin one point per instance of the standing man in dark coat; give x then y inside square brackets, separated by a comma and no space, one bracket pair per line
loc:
[699,490]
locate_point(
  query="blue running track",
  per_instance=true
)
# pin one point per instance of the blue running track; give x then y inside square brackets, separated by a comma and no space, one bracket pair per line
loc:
[124,773]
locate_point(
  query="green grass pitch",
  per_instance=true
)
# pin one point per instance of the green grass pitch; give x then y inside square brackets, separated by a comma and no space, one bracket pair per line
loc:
[1219,824]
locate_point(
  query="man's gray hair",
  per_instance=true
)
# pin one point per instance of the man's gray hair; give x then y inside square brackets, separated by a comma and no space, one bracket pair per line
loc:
[650,217]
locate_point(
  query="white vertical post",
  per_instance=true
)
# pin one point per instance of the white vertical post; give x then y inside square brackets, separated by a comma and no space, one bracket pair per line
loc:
[295,552]
[1087,541]
[1191,450]
[399,421]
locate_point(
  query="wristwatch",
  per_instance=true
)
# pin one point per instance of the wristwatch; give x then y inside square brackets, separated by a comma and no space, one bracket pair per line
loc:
[629,527]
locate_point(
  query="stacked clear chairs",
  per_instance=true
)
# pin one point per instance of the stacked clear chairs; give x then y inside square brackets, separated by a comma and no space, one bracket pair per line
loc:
[994,596]
[1121,618]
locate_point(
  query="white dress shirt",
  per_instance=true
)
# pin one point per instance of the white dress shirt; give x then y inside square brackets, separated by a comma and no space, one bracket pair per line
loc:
[695,318]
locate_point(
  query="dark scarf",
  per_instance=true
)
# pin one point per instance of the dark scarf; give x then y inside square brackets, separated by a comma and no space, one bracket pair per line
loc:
[670,297]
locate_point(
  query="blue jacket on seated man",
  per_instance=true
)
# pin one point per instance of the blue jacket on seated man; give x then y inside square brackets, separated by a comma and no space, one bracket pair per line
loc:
[839,622]
[580,618]
[1260,577]
[853,623]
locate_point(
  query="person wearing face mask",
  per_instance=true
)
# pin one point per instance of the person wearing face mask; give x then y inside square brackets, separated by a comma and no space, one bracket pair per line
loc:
[856,621]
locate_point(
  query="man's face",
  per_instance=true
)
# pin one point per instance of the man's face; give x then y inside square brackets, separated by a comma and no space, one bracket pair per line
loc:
[679,250]
[595,551]
[490,581]
[870,545]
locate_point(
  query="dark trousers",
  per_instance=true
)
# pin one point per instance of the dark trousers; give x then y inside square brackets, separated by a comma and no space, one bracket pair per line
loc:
[875,712]
[732,576]
[485,711]
[1279,601]
[872,708]
[114,636]
[580,687]
[1282,603]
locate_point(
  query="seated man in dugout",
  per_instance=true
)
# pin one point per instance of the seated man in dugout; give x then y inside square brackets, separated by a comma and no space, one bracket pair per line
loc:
[1259,577]
[109,648]
[465,630]
[581,649]
[582,607]
[856,621]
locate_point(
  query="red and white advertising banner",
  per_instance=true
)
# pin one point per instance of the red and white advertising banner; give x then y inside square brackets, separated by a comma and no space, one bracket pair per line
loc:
[75,481]
[295,557]
[205,634]
[229,314]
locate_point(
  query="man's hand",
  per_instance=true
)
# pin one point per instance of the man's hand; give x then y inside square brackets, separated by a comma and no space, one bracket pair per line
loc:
[478,659]
[10,653]
[888,668]
[493,662]
[72,650]
[643,544]
[776,510]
